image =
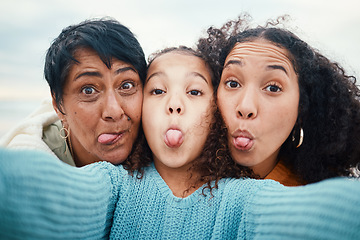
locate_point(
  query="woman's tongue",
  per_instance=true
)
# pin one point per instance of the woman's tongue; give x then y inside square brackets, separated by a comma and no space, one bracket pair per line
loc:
[173,138]
[242,142]
[107,138]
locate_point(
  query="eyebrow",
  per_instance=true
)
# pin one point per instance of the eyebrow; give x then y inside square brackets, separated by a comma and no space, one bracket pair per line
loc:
[196,74]
[98,74]
[235,62]
[91,74]
[240,63]
[277,67]
[153,75]
[124,69]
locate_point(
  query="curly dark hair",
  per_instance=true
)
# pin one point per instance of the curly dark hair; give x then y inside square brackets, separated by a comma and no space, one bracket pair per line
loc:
[214,162]
[329,107]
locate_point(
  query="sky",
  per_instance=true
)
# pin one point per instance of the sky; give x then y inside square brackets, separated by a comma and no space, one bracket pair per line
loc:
[28,27]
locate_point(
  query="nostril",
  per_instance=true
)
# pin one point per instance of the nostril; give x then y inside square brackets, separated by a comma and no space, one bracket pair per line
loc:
[250,115]
[178,110]
[171,110]
[240,114]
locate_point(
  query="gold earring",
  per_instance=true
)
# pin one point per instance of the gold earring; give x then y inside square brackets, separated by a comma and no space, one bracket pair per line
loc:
[301,137]
[65,131]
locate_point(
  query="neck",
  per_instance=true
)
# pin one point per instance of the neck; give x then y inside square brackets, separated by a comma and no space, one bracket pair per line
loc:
[181,181]
[265,167]
[80,156]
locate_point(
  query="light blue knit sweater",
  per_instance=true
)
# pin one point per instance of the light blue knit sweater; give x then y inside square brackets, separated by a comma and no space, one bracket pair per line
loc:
[43,198]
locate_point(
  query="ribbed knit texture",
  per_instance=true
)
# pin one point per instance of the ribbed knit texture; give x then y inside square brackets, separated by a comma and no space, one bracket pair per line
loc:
[42,198]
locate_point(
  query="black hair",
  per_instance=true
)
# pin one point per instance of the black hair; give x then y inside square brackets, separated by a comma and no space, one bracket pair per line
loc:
[106,36]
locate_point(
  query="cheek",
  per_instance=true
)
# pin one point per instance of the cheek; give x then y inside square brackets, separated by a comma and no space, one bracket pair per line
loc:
[282,121]
[133,108]
[226,109]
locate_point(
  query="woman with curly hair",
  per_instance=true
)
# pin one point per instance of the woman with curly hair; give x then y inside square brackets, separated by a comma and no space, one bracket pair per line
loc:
[292,115]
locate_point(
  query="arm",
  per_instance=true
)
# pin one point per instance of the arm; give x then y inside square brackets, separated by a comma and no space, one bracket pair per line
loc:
[43,198]
[325,210]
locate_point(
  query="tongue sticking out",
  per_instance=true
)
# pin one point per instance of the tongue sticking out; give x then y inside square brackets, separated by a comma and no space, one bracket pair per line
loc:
[242,142]
[173,138]
[107,138]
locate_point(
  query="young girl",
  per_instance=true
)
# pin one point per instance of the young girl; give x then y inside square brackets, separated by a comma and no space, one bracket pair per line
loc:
[178,110]
[292,115]
[169,200]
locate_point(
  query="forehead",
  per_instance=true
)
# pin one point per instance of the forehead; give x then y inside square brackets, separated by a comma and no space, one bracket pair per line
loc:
[260,49]
[176,58]
[179,62]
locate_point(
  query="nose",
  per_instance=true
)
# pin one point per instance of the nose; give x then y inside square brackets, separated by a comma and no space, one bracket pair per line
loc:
[247,107]
[178,110]
[111,109]
[175,105]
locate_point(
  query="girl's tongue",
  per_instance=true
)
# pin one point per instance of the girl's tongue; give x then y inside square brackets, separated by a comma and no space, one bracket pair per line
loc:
[173,138]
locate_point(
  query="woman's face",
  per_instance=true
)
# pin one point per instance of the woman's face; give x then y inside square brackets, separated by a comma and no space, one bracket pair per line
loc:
[178,98]
[102,108]
[258,97]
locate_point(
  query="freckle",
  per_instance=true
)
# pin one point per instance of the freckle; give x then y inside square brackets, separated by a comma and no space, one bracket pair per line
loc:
[75,113]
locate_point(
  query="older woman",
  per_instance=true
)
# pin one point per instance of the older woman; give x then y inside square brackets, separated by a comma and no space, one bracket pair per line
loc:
[95,71]
[292,115]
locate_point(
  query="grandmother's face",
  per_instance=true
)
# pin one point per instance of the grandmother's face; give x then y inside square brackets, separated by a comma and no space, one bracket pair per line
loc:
[258,97]
[102,108]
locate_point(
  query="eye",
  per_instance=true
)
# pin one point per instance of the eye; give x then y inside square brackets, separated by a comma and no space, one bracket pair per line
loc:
[88,90]
[232,84]
[127,86]
[157,92]
[273,88]
[195,93]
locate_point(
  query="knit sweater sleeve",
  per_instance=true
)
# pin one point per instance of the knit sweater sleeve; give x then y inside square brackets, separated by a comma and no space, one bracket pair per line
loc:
[325,210]
[33,186]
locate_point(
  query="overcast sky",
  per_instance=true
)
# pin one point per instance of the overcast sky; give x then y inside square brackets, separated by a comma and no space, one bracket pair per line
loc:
[27,28]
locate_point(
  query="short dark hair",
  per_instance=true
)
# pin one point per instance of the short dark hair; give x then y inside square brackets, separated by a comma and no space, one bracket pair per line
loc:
[106,36]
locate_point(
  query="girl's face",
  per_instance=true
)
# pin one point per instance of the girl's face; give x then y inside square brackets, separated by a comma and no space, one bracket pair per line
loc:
[258,97]
[102,108]
[177,109]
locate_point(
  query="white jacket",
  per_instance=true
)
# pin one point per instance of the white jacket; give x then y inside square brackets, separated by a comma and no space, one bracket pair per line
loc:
[28,133]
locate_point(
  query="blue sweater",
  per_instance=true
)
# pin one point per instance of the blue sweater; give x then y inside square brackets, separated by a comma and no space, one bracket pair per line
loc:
[43,198]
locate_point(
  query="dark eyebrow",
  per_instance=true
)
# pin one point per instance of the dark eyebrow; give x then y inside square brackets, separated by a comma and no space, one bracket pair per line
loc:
[124,69]
[236,62]
[91,74]
[277,67]
[97,74]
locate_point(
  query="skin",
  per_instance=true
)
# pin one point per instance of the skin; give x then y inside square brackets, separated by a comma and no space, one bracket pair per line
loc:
[178,98]
[97,105]
[258,97]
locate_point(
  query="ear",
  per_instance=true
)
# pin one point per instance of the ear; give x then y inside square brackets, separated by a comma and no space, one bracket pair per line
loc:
[59,112]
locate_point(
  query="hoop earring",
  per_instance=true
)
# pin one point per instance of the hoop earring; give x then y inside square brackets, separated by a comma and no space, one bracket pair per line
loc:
[301,137]
[66,133]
